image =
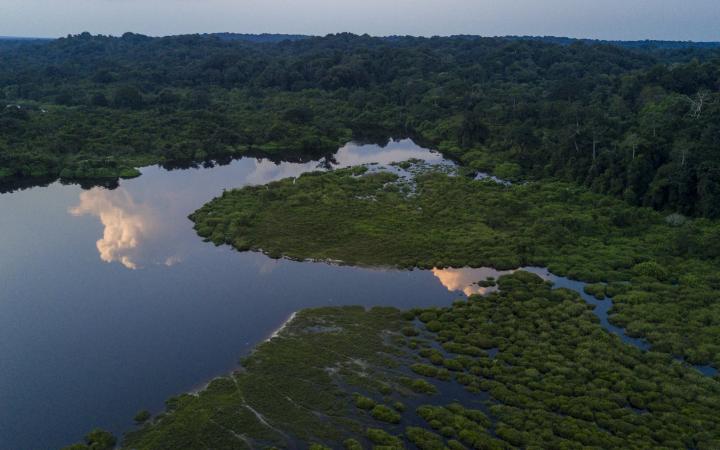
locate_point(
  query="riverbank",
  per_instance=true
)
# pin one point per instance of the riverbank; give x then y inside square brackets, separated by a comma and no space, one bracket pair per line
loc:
[382,377]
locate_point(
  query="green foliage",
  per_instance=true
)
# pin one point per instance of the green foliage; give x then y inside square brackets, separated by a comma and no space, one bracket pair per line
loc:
[352,444]
[319,447]
[409,331]
[659,293]
[97,439]
[614,121]
[285,383]
[597,290]
[558,381]
[508,171]
[424,439]
[385,414]
[626,122]
[363,402]
[382,437]
[423,387]
[651,269]
[425,370]
[142,416]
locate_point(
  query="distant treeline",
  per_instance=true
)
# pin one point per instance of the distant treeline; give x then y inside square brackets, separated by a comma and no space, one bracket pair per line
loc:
[636,120]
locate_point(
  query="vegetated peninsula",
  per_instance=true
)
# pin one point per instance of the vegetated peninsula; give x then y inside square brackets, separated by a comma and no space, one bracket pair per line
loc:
[661,271]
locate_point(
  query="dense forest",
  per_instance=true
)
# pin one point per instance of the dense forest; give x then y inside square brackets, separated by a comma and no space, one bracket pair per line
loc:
[640,122]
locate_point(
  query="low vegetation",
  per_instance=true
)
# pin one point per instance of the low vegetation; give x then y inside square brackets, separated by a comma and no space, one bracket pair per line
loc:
[663,276]
[558,380]
[290,389]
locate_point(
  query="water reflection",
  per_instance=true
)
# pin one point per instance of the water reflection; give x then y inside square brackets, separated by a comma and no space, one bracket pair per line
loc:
[351,154]
[465,279]
[61,346]
[147,223]
[126,224]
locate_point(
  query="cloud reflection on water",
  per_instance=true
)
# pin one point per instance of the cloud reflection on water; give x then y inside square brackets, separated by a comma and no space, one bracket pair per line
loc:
[349,155]
[126,223]
[155,228]
[465,279]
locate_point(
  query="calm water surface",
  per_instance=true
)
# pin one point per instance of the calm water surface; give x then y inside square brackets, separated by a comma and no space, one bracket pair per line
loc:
[110,303]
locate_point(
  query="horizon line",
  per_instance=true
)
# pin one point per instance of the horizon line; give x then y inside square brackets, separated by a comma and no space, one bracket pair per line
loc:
[549,36]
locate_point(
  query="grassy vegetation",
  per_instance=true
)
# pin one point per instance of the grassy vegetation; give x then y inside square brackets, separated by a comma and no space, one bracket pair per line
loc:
[558,380]
[289,389]
[663,276]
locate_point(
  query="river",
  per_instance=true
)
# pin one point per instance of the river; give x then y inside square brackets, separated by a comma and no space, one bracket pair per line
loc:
[110,303]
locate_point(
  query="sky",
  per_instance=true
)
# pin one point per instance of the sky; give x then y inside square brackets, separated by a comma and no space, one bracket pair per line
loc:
[601,19]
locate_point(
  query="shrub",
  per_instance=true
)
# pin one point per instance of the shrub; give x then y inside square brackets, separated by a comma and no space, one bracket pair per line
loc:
[434,326]
[597,290]
[424,439]
[385,414]
[424,370]
[651,269]
[382,437]
[142,416]
[319,447]
[352,444]
[453,364]
[423,387]
[363,402]
[410,331]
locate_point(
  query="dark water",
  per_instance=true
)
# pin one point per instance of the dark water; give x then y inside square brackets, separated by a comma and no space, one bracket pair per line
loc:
[110,303]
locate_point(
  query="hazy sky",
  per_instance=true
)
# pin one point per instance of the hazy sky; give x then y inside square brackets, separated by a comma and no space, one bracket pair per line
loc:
[605,19]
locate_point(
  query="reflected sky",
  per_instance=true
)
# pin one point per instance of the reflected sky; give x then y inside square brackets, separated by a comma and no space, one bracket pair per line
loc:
[85,341]
[126,223]
[465,279]
[351,154]
[144,225]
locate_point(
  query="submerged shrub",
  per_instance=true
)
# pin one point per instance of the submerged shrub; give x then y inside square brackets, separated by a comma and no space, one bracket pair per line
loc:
[410,331]
[363,402]
[424,439]
[142,416]
[352,444]
[385,414]
[382,437]
[423,387]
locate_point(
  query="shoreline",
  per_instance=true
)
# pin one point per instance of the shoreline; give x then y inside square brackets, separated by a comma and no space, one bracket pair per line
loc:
[274,334]
[277,332]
